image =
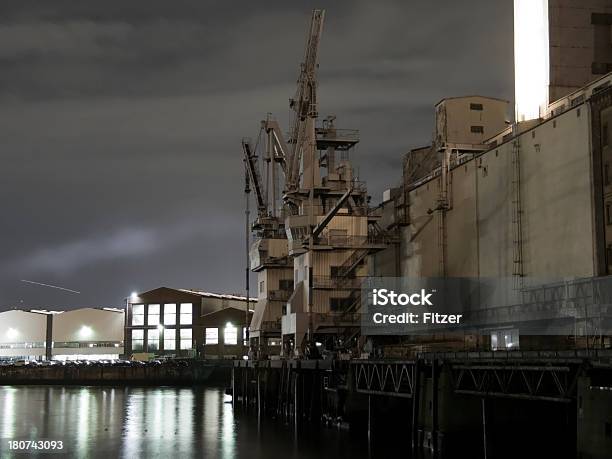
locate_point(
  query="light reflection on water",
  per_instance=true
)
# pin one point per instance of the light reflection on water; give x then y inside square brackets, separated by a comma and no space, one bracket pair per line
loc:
[156,422]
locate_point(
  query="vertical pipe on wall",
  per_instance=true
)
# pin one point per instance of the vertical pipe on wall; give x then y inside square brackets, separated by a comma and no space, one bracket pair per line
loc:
[484,428]
[434,407]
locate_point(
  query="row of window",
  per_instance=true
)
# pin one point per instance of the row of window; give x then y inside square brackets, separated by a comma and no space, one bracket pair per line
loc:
[230,335]
[169,338]
[154,314]
[154,338]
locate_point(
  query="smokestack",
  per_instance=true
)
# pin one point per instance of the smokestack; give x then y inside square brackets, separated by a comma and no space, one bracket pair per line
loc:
[531,58]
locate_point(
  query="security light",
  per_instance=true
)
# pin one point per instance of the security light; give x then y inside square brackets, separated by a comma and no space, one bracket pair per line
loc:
[85,332]
[11,333]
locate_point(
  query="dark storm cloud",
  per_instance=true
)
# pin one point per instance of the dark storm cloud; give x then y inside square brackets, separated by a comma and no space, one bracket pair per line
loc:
[120,123]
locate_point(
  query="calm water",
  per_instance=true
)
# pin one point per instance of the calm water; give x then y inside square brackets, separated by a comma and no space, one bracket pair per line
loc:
[158,422]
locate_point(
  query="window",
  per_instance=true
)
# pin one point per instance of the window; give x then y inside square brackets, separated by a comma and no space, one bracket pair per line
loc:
[152,340]
[170,314]
[186,338]
[153,314]
[211,336]
[138,314]
[137,340]
[340,304]
[169,339]
[230,335]
[244,336]
[476,107]
[338,236]
[505,340]
[339,271]
[285,284]
[477,129]
[186,310]
[261,286]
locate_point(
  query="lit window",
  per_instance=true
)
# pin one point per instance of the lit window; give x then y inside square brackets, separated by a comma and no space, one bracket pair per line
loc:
[186,310]
[169,339]
[137,339]
[186,338]
[244,336]
[230,334]
[153,314]
[212,336]
[170,314]
[138,314]
[152,340]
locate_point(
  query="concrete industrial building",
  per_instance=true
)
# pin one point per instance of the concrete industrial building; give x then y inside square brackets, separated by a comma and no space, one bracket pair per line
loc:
[87,334]
[187,323]
[538,198]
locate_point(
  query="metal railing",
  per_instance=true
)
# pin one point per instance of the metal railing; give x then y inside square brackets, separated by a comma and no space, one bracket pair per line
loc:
[279,295]
[329,282]
[320,211]
[337,319]
[351,135]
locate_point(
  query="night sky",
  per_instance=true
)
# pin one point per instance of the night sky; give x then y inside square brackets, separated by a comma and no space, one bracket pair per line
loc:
[121,121]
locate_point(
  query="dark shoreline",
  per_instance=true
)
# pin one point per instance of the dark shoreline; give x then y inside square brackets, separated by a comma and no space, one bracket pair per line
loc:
[188,373]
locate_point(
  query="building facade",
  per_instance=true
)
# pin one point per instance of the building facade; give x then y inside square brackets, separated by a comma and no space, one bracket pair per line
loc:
[186,323]
[534,208]
[87,334]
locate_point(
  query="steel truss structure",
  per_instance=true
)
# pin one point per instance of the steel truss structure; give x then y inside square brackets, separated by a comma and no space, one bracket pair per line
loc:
[553,380]
[532,381]
[384,378]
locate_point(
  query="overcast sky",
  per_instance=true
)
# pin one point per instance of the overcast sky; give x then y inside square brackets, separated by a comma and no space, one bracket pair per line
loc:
[121,121]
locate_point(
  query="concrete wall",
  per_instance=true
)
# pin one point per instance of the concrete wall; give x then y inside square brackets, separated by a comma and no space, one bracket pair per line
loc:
[557,233]
[20,327]
[420,248]
[88,324]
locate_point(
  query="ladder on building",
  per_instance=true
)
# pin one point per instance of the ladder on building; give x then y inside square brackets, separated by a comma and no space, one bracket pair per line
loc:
[517,215]
[442,208]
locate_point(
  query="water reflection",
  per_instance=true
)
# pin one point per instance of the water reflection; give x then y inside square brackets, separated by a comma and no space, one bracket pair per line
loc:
[157,422]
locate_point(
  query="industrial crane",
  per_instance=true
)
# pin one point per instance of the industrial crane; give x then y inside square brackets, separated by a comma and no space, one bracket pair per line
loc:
[302,134]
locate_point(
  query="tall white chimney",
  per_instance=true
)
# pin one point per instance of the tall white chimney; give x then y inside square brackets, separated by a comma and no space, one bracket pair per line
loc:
[531,58]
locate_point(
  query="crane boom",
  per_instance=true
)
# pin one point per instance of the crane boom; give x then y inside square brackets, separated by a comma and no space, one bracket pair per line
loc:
[305,104]
[250,160]
[279,146]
